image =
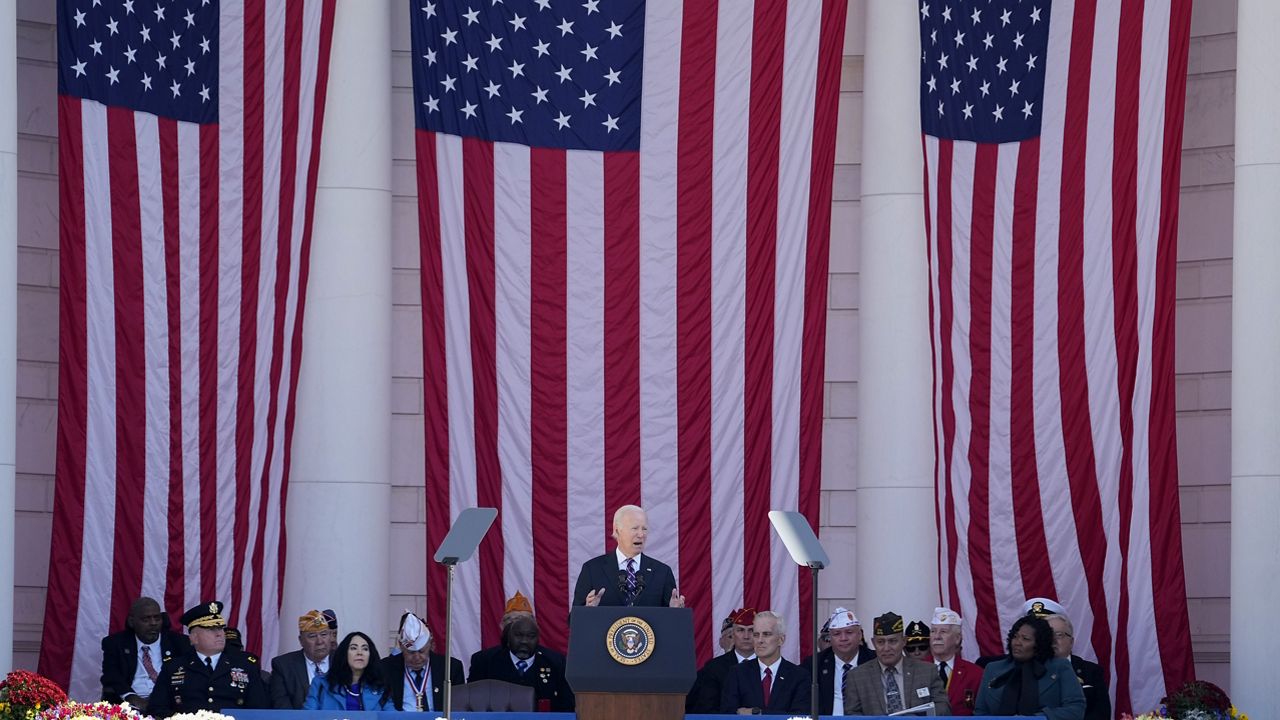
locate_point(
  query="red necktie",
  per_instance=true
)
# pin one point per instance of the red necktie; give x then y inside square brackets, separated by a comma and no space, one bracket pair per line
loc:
[767,684]
[147,664]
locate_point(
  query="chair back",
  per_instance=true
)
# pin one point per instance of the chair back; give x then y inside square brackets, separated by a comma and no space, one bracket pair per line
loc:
[492,696]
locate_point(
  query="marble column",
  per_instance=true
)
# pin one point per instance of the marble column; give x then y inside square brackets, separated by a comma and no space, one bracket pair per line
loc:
[895,426]
[339,492]
[1255,350]
[8,315]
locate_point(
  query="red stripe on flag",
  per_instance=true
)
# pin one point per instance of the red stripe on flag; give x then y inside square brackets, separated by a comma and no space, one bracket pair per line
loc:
[1168,581]
[1073,378]
[1124,268]
[1033,548]
[694,159]
[250,267]
[548,378]
[73,413]
[765,110]
[434,369]
[175,574]
[981,239]
[814,348]
[621,333]
[209,291]
[130,358]
[477,180]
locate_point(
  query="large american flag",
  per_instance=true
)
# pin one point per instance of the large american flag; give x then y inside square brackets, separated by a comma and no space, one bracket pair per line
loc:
[624,212]
[1052,140]
[188,145]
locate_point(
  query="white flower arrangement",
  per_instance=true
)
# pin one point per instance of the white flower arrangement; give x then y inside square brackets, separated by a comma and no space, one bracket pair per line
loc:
[200,715]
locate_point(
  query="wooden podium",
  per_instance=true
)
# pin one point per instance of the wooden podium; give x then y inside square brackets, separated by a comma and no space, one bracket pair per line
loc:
[630,663]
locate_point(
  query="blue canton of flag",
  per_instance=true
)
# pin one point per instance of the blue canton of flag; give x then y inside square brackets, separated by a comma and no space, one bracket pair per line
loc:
[545,73]
[148,56]
[982,69]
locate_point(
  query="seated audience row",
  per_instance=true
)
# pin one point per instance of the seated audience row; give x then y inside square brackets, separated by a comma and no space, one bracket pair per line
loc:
[162,672]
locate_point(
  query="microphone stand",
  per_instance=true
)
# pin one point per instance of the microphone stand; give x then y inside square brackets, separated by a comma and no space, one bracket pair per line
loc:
[814,567]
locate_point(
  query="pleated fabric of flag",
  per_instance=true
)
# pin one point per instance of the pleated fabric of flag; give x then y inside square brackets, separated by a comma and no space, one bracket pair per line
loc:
[189,138]
[624,213]
[1052,140]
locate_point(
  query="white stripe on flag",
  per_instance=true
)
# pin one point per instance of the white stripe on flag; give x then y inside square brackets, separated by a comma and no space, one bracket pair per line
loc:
[584,361]
[97,559]
[513,308]
[462,458]
[1146,686]
[230,233]
[155,323]
[962,173]
[795,155]
[728,303]
[659,421]
[190,298]
[1007,576]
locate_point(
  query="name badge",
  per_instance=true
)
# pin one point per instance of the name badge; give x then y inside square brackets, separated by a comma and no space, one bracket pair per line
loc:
[922,692]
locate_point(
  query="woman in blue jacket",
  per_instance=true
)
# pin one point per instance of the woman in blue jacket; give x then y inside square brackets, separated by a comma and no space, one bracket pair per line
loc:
[1031,681]
[354,681]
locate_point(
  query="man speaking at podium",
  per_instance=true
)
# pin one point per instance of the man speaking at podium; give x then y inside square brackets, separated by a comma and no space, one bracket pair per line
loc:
[626,576]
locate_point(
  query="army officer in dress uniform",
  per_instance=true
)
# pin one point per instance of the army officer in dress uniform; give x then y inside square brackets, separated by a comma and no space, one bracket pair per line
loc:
[209,676]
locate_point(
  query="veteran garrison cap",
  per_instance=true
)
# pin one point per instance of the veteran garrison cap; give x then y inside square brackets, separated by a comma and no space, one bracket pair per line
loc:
[917,632]
[889,623]
[332,617]
[313,621]
[204,615]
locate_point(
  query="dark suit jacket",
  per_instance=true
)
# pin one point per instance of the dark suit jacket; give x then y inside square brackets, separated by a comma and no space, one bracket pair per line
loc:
[393,675]
[827,674]
[1097,694]
[289,684]
[545,674]
[789,694]
[655,579]
[864,694]
[704,696]
[120,660]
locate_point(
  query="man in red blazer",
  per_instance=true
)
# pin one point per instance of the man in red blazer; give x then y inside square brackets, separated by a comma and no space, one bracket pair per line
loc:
[961,677]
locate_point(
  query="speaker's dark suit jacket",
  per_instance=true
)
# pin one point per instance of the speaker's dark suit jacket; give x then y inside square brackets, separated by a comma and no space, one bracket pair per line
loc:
[545,674]
[120,660]
[704,696]
[1097,694]
[393,675]
[289,681]
[827,674]
[654,580]
[789,694]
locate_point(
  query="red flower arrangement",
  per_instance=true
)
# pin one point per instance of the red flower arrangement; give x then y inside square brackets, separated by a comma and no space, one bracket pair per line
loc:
[1198,695]
[24,693]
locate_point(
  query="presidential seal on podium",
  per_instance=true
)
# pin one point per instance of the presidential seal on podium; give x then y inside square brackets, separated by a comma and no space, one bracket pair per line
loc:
[630,640]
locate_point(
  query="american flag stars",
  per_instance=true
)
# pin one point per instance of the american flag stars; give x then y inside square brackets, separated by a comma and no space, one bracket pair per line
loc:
[156,56]
[545,73]
[986,83]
